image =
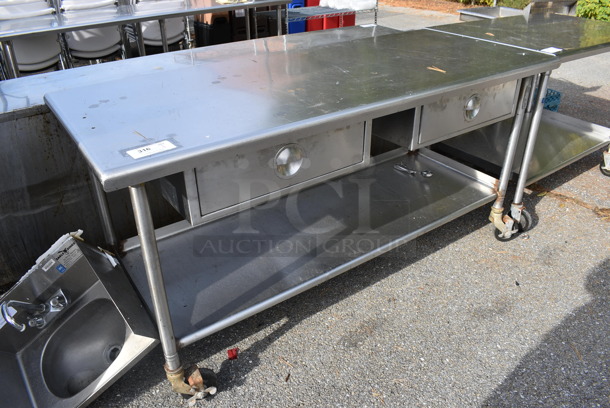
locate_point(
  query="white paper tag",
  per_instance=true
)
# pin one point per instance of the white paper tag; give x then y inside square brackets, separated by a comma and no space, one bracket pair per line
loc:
[552,50]
[48,265]
[151,149]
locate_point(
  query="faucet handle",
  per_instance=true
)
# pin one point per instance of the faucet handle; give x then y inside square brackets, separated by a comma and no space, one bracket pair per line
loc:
[37,322]
[58,302]
[8,317]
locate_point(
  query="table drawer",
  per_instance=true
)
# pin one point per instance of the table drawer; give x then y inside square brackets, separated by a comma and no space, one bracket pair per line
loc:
[466,110]
[258,175]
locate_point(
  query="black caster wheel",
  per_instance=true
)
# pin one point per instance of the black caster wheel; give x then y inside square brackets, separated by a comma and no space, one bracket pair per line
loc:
[604,171]
[525,223]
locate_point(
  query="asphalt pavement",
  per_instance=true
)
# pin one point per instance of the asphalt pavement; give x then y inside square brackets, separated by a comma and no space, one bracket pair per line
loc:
[452,319]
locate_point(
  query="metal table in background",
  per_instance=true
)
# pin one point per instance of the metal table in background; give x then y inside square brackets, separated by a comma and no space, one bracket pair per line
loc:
[562,140]
[566,37]
[125,14]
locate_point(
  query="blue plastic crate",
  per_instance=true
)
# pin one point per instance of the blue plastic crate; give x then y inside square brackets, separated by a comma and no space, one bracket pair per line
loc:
[552,100]
[296,26]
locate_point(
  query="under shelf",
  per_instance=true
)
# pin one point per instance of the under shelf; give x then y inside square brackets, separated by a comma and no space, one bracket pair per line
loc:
[219,273]
[561,141]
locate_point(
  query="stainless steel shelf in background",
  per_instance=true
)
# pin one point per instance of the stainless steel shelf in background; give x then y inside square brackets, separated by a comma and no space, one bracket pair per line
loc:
[59,23]
[125,14]
[311,13]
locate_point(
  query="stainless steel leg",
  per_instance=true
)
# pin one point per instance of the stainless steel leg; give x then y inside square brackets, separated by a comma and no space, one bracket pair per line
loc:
[530,103]
[248,34]
[504,225]
[125,46]
[188,32]
[375,11]
[104,210]
[140,39]
[280,20]
[163,35]
[9,60]
[531,141]
[255,24]
[65,56]
[513,141]
[152,264]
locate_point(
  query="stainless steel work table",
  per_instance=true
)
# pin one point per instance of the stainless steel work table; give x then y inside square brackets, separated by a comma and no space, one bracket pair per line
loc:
[269,93]
[275,90]
[561,139]
[566,37]
[124,14]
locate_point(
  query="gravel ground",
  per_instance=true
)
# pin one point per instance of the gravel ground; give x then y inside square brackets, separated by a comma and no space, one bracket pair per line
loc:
[452,319]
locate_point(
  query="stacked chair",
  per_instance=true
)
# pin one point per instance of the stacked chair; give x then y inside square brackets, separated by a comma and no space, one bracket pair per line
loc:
[36,52]
[175,28]
[92,44]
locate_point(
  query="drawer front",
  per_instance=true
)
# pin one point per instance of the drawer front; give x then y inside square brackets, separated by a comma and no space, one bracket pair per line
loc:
[243,176]
[466,110]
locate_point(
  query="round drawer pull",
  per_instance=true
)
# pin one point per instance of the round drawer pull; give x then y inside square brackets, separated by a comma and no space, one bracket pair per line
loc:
[288,160]
[472,107]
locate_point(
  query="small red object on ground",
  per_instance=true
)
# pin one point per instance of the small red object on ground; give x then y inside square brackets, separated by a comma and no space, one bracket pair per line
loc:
[232,353]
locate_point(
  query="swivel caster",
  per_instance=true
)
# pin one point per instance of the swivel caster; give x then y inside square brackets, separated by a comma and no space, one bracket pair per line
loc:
[605,171]
[524,224]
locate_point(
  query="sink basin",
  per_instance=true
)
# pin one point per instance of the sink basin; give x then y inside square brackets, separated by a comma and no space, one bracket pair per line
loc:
[102,332]
[84,346]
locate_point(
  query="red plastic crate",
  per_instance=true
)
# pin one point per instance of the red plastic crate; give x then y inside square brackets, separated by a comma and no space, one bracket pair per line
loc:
[349,20]
[325,23]
[335,22]
[316,23]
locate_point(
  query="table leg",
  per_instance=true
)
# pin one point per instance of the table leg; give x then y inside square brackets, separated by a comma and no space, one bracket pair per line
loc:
[188,34]
[140,39]
[104,211]
[248,34]
[531,140]
[517,208]
[497,210]
[280,20]
[152,264]
[163,35]
[65,56]
[9,60]
[255,21]
[125,48]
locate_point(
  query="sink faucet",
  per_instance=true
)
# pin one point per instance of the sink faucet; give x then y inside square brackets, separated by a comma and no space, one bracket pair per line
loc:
[39,315]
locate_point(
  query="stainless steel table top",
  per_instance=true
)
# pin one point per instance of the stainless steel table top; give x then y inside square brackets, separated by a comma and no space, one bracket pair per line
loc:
[123,14]
[217,98]
[566,37]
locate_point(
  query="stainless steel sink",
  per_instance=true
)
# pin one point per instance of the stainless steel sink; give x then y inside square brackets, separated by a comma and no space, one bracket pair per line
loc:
[101,334]
[84,346]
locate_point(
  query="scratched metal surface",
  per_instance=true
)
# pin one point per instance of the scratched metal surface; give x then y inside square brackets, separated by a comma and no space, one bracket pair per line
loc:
[207,101]
[573,37]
